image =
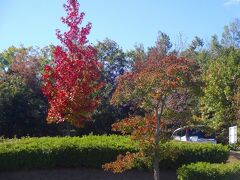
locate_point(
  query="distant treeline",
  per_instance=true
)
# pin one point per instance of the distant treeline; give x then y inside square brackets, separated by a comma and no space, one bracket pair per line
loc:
[23,107]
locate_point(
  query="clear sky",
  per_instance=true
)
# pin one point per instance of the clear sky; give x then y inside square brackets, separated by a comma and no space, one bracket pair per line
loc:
[128,22]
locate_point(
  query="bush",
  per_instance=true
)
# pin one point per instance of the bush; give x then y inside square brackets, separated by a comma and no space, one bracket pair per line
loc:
[178,153]
[94,151]
[204,171]
[88,151]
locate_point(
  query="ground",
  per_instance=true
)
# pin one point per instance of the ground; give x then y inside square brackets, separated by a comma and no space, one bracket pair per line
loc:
[82,174]
[234,157]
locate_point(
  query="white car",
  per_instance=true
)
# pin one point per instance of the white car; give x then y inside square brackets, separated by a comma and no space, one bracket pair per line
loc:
[193,134]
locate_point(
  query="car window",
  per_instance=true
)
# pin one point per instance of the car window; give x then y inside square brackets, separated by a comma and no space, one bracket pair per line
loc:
[180,133]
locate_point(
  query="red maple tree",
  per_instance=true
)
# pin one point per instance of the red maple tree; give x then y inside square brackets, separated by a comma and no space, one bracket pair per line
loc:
[72,83]
[157,86]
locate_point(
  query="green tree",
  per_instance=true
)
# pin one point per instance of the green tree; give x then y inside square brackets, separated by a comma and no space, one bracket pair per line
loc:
[231,35]
[115,63]
[221,84]
[113,59]
[161,48]
[215,46]
[23,107]
[7,57]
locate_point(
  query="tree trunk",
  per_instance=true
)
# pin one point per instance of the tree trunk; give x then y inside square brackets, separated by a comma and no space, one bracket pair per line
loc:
[158,114]
[157,140]
[68,128]
[156,167]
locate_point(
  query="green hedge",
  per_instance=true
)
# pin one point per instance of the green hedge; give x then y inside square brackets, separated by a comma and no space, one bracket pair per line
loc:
[207,171]
[178,153]
[88,151]
[93,151]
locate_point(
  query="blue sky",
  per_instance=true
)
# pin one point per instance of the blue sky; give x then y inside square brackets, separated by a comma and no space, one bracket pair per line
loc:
[128,22]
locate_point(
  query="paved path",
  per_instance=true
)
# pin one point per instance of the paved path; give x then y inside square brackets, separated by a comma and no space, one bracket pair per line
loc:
[234,157]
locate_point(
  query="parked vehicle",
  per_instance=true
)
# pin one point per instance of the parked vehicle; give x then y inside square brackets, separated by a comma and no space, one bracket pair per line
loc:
[197,133]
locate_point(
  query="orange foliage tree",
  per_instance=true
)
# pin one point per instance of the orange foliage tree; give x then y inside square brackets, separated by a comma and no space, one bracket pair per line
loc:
[155,86]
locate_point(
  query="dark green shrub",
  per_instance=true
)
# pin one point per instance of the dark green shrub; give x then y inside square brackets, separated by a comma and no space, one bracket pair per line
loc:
[94,151]
[175,154]
[89,151]
[207,171]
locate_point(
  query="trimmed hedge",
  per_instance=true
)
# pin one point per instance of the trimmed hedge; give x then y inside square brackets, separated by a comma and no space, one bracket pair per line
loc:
[204,171]
[94,151]
[177,154]
[45,152]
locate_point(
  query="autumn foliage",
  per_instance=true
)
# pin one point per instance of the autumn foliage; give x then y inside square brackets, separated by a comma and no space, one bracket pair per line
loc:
[72,84]
[155,86]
